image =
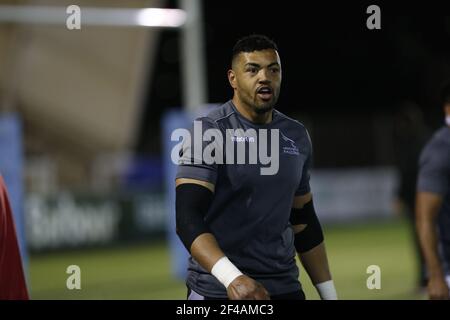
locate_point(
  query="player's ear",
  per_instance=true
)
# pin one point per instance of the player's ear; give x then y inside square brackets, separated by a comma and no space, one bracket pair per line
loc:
[232,78]
[447,109]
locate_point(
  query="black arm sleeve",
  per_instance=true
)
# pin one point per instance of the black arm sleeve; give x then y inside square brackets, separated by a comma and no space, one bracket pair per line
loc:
[192,204]
[312,235]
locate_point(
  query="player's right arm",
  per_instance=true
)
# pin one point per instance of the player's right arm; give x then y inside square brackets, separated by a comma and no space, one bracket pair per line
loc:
[428,205]
[193,199]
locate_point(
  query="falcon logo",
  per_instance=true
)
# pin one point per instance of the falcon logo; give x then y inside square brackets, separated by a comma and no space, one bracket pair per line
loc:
[292,148]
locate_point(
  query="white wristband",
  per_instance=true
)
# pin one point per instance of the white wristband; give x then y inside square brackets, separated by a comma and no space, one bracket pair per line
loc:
[326,290]
[225,271]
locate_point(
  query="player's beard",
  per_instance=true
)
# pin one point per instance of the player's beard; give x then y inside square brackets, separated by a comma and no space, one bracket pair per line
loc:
[265,106]
[260,107]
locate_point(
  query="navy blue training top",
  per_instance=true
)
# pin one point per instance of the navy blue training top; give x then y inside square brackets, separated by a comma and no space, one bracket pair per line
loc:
[249,215]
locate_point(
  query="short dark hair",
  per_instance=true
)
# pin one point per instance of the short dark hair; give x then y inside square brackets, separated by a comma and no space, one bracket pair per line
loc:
[445,93]
[254,42]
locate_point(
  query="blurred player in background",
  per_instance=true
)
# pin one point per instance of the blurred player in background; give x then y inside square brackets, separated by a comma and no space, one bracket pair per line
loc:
[243,228]
[410,136]
[433,206]
[12,279]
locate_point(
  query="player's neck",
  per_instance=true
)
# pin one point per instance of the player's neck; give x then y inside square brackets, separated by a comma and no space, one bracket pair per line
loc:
[248,113]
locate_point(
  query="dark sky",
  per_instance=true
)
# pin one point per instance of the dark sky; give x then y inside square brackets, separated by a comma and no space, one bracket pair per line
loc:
[332,64]
[330,59]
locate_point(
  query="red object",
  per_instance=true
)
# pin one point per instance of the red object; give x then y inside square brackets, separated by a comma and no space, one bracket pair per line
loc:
[12,279]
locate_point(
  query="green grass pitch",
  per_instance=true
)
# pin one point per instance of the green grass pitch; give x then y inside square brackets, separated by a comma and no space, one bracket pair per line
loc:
[144,272]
